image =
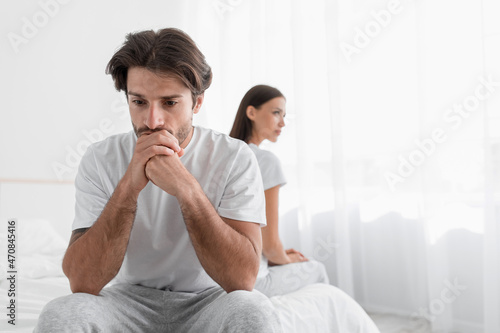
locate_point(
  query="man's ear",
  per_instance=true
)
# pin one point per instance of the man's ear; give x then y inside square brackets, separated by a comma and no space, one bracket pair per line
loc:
[251,112]
[199,102]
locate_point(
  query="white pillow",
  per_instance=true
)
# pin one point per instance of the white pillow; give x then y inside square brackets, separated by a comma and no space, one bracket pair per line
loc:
[38,236]
[39,248]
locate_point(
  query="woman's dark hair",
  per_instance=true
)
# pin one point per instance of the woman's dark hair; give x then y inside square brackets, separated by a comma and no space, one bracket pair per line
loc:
[165,52]
[256,96]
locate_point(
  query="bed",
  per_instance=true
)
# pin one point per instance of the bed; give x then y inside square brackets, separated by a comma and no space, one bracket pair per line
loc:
[41,243]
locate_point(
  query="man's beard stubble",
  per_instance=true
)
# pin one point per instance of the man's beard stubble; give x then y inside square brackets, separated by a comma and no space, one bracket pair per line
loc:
[181,134]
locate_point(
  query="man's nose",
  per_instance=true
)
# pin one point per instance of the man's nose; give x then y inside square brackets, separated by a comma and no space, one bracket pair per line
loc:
[154,118]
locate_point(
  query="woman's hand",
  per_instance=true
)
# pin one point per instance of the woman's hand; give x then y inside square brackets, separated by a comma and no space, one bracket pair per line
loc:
[295,256]
[292,255]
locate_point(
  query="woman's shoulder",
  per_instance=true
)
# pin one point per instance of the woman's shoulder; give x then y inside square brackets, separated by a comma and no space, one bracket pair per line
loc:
[270,167]
[265,157]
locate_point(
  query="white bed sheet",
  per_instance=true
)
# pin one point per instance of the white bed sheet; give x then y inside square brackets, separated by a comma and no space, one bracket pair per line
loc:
[320,308]
[316,308]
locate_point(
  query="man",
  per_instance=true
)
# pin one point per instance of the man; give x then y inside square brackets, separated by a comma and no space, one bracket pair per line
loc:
[170,212]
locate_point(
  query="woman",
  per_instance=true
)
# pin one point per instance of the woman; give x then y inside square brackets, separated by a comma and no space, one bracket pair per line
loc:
[260,117]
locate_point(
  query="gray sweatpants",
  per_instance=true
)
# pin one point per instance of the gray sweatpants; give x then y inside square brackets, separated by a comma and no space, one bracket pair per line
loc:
[284,279]
[131,308]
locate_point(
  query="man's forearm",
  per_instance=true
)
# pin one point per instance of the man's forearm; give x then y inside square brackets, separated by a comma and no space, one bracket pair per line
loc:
[228,250]
[93,259]
[231,258]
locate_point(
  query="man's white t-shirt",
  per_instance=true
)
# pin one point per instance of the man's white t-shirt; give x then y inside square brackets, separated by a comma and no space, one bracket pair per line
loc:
[160,253]
[272,175]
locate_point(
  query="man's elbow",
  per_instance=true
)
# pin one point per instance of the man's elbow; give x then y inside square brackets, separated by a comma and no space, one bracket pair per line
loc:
[244,284]
[244,280]
[78,287]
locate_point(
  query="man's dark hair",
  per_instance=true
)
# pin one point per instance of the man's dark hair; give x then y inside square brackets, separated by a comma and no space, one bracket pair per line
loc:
[168,51]
[256,96]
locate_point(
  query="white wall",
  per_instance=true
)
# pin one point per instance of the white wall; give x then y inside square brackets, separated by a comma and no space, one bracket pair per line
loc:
[56,96]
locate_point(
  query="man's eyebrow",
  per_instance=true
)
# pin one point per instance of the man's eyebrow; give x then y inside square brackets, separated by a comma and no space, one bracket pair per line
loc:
[163,97]
[172,96]
[134,94]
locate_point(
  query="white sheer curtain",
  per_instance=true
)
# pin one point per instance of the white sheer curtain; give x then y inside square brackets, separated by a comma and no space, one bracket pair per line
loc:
[392,144]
